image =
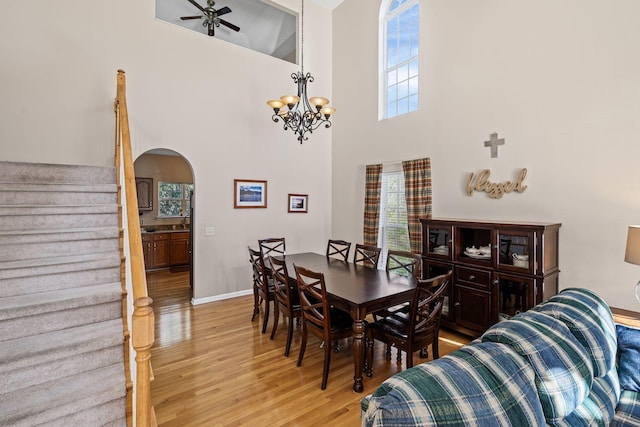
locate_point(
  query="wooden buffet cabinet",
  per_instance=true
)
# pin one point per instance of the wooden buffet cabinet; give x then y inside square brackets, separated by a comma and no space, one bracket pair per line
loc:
[166,249]
[491,286]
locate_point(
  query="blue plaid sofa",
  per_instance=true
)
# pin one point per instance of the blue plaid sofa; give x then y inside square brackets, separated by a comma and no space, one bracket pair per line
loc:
[555,364]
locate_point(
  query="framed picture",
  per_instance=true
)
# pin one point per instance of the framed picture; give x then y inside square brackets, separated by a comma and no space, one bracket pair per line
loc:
[249,193]
[298,203]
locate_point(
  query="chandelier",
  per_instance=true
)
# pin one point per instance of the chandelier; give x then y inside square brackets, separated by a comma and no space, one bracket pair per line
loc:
[302,114]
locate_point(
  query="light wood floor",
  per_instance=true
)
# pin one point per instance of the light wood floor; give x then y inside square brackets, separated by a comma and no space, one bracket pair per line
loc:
[213,366]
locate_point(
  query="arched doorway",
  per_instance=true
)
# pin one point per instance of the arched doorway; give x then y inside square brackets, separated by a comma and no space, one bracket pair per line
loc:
[166,185]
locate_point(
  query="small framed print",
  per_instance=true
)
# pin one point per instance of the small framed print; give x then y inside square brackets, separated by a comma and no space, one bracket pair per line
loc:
[298,203]
[249,193]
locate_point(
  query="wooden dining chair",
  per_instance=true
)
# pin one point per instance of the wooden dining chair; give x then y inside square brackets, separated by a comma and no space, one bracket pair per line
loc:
[415,330]
[339,248]
[287,300]
[367,255]
[318,317]
[262,287]
[404,262]
[272,246]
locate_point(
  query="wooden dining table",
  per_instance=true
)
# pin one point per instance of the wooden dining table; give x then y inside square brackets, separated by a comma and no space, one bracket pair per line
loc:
[358,290]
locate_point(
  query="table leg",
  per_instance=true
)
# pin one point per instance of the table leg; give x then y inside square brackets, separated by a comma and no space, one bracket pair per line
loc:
[358,349]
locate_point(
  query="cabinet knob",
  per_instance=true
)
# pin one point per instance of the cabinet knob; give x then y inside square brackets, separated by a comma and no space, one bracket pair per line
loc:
[457,304]
[472,277]
[496,282]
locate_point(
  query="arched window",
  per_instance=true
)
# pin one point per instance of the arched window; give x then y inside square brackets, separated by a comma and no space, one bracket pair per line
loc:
[400,31]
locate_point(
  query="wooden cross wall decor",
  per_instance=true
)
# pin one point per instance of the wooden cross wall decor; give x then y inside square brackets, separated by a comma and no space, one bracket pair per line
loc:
[494,142]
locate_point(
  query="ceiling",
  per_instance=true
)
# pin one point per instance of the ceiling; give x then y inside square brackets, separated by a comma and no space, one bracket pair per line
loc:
[264,26]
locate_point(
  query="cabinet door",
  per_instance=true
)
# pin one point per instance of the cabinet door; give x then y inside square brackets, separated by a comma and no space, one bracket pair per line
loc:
[147,251]
[433,269]
[179,249]
[474,245]
[514,294]
[161,250]
[516,251]
[144,189]
[473,308]
[438,241]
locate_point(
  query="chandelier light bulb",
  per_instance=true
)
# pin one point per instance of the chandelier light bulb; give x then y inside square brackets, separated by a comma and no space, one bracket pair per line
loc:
[276,104]
[290,100]
[328,111]
[318,101]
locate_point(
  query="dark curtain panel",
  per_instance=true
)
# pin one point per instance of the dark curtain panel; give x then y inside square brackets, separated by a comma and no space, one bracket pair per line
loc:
[372,204]
[417,183]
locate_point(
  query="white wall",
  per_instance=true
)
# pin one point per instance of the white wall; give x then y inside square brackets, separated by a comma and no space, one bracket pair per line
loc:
[201,97]
[559,80]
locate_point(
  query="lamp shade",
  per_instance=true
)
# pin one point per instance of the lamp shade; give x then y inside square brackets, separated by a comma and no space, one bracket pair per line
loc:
[632,254]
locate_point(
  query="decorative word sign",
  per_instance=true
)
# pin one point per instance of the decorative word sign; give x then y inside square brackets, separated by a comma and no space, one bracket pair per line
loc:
[493,142]
[496,190]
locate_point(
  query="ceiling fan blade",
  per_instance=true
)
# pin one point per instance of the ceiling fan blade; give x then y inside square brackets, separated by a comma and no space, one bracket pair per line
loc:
[184,18]
[223,11]
[230,25]
[197,5]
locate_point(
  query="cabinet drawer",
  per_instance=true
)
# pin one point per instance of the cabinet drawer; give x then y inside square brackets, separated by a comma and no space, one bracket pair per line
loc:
[479,279]
[161,236]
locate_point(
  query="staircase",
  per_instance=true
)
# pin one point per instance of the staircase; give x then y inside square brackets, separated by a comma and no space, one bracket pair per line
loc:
[61,328]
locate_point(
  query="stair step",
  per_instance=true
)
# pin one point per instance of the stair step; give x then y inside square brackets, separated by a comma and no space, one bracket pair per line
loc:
[57,194]
[101,415]
[55,173]
[46,217]
[51,402]
[28,361]
[55,265]
[26,315]
[16,246]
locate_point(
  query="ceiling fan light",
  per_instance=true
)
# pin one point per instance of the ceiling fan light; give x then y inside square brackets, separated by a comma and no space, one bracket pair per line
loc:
[318,101]
[290,100]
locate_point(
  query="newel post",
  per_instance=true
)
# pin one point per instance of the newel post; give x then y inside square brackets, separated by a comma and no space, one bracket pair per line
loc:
[143,336]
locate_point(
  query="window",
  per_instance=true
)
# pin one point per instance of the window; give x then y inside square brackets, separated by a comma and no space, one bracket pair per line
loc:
[399,59]
[174,199]
[393,229]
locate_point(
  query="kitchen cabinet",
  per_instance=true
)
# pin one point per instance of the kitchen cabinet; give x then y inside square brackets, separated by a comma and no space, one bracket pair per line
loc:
[180,248]
[499,268]
[166,249]
[144,190]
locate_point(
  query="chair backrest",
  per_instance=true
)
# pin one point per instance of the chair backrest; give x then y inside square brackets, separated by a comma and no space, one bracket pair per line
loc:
[340,248]
[259,271]
[282,287]
[313,301]
[403,262]
[426,307]
[366,255]
[272,246]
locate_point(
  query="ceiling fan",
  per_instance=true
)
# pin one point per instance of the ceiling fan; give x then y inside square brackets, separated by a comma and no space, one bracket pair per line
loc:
[211,17]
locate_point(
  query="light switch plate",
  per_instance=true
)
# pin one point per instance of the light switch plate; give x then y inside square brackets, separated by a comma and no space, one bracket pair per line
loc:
[208,231]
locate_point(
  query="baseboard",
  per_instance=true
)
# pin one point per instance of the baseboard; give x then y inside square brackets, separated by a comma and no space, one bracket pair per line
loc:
[198,301]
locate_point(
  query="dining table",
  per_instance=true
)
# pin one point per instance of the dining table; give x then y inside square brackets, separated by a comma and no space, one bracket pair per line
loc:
[358,290]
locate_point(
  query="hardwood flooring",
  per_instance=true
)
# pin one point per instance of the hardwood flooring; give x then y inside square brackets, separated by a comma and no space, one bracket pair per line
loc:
[214,367]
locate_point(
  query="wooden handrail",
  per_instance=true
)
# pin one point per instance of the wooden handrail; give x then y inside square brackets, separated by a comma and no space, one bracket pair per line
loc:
[142,319]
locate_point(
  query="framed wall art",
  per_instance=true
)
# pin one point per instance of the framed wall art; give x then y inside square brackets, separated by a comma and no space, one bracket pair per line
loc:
[298,203]
[249,193]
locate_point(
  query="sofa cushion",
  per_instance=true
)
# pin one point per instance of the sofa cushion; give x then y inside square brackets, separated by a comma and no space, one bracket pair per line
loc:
[589,319]
[563,368]
[485,384]
[629,357]
[628,410]
[599,407]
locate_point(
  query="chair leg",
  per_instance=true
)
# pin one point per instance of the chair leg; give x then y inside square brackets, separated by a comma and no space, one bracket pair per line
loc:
[398,355]
[388,351]
[424,352]
[256,305]
[287,348]
[434,348]
[276,318]
[369,356]
[303,345]
[266,315]
[327,362]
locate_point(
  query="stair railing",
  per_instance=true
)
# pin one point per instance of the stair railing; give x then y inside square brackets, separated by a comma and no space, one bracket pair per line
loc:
[137,310]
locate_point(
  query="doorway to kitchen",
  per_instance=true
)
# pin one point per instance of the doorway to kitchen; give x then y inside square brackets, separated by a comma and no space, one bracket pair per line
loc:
[166,191]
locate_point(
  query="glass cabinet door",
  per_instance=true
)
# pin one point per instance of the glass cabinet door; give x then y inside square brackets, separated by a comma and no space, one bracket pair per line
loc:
[515,295]
[438,241]
[474,245]
[516,250]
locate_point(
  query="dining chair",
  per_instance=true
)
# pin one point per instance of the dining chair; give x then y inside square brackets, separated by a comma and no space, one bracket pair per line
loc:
[287,300]
[367,255]
[262,287]
[318,317]
[415,330]
[338,248]
[272,246]
[404,262]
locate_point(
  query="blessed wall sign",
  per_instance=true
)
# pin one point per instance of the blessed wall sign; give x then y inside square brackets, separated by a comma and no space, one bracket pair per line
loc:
[496,190]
